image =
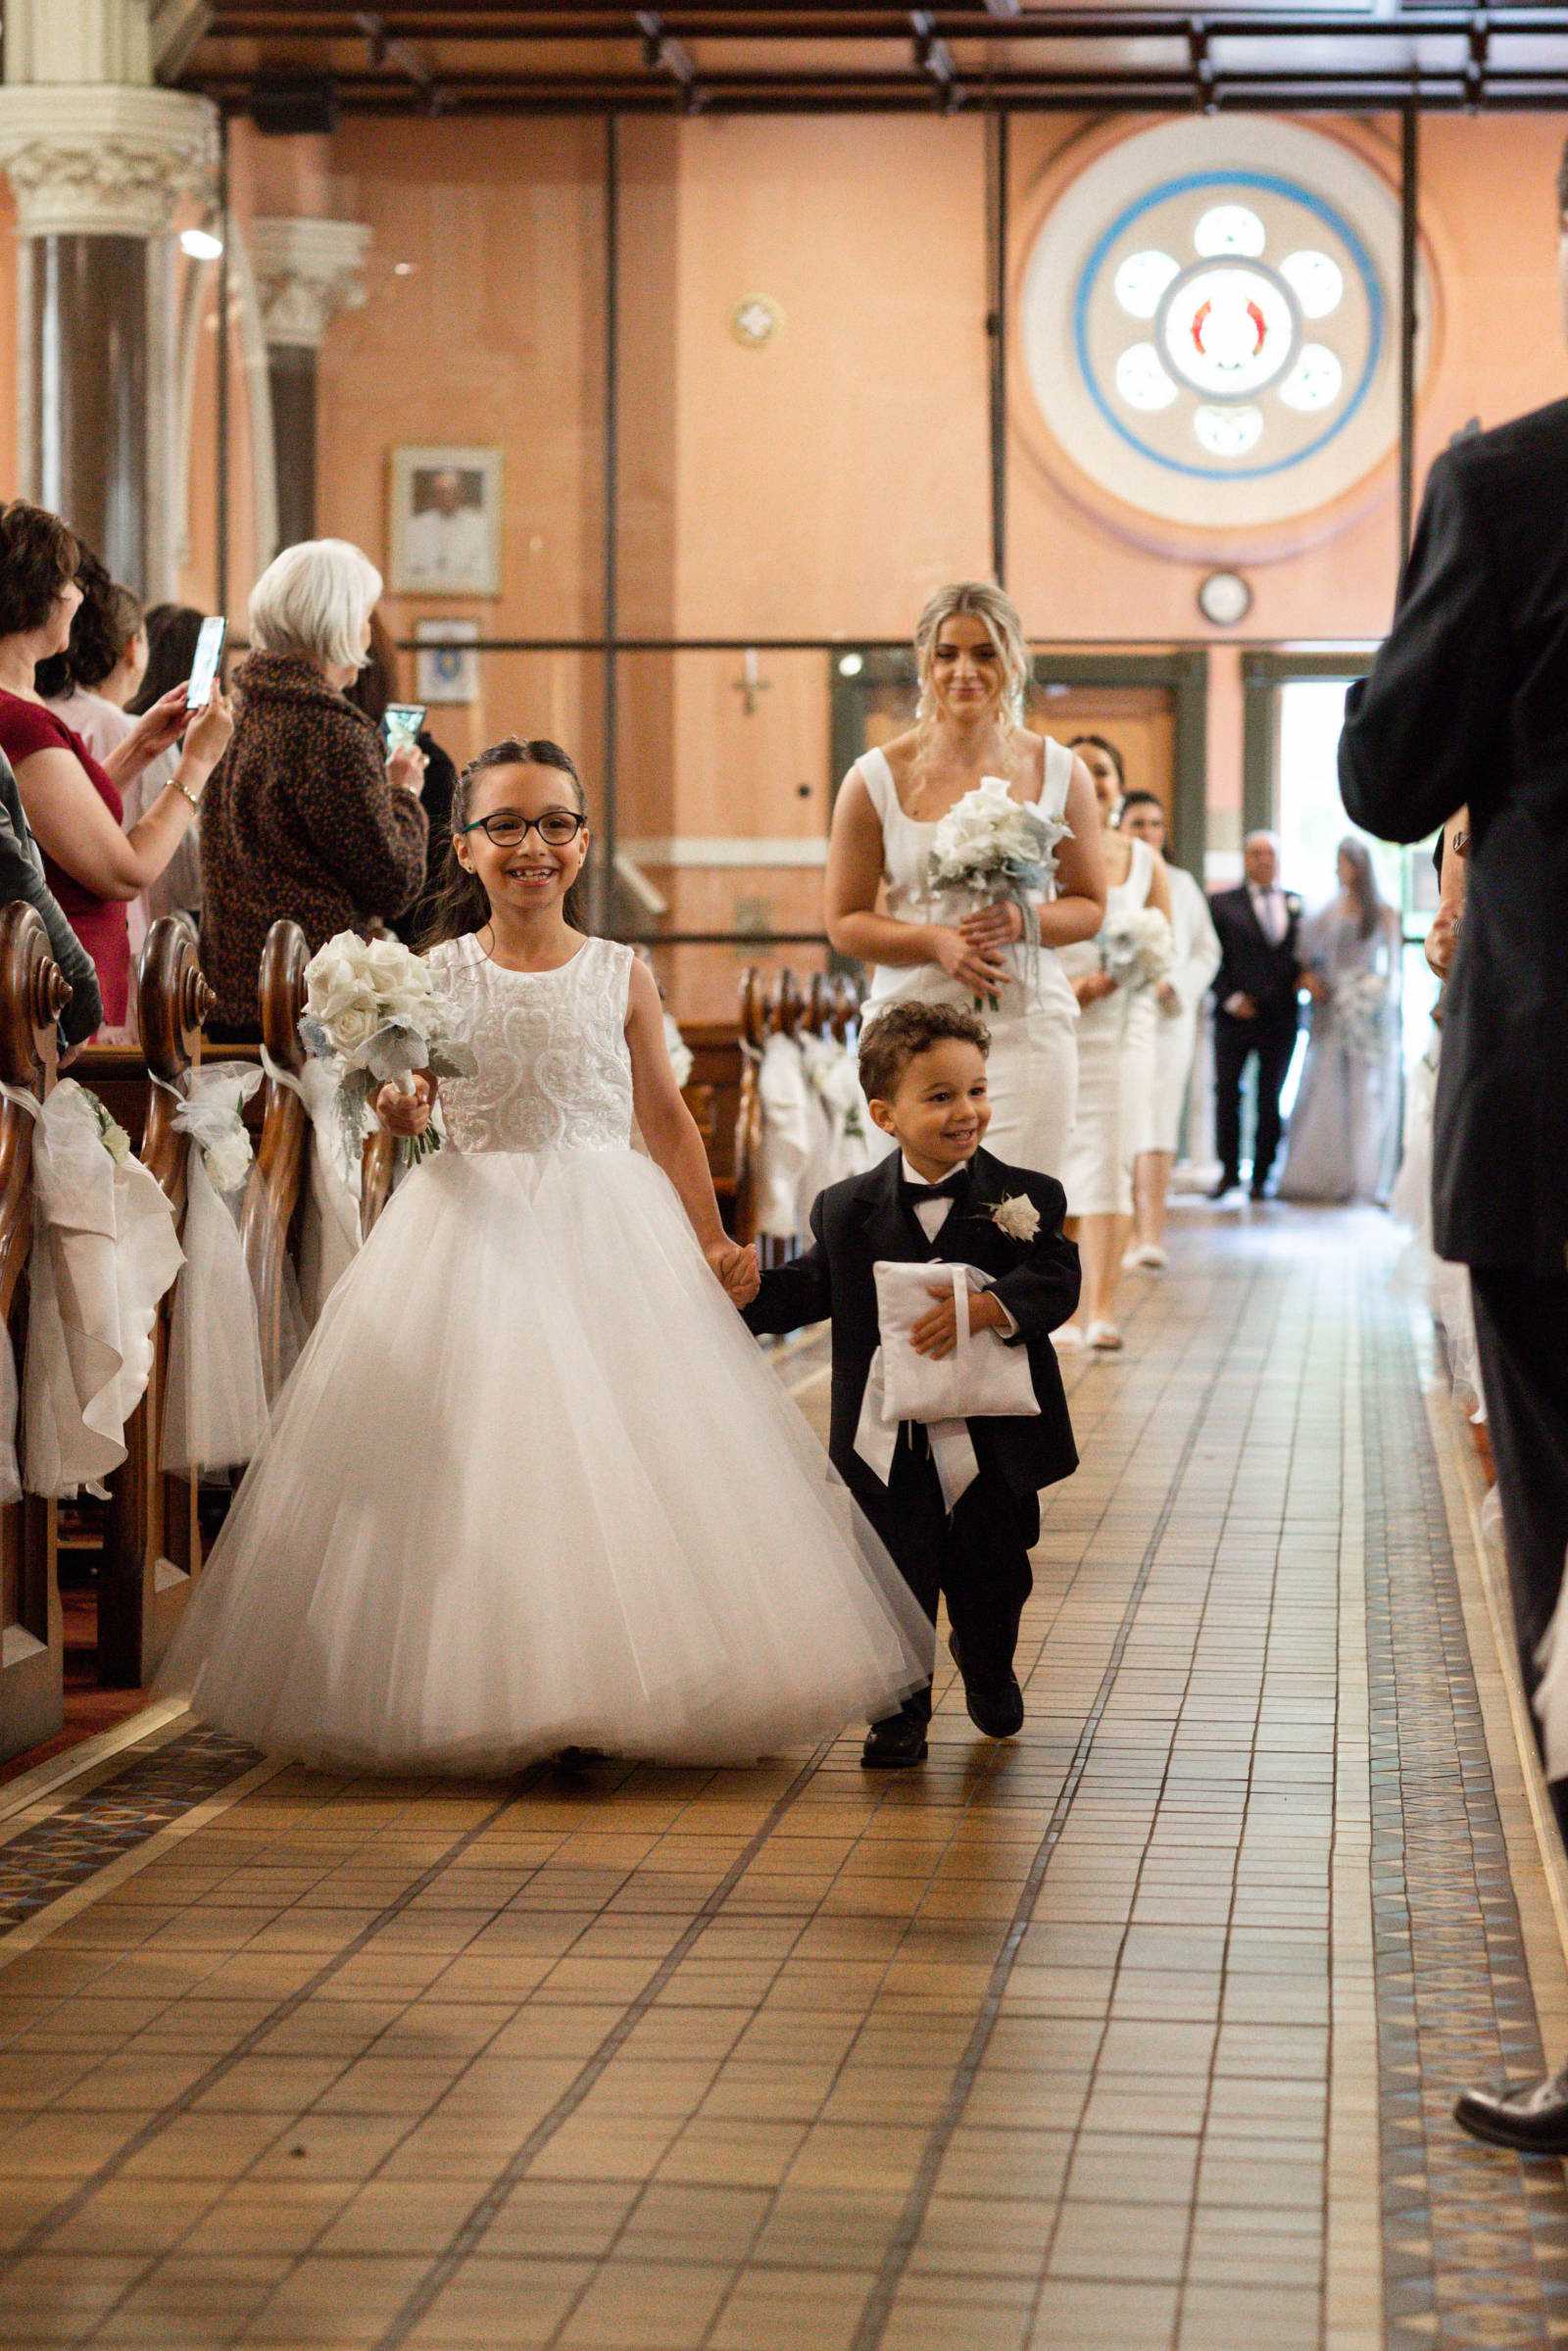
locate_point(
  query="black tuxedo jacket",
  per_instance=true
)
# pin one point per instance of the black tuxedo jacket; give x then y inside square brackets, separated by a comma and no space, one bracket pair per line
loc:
[1467,703]
[1250,966]
[855,1223]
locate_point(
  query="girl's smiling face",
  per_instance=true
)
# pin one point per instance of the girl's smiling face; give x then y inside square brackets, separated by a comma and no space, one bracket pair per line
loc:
[523,871]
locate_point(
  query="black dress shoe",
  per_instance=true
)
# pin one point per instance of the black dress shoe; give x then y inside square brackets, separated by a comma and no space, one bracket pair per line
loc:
[995,1704]
[1532,2120]
[894,1743]
[1227,1184]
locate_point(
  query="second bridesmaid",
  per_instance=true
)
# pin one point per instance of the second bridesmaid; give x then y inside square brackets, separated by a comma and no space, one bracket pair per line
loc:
[974,680]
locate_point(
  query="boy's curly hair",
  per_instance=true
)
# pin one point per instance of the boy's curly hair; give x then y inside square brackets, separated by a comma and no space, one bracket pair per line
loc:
[890,1042]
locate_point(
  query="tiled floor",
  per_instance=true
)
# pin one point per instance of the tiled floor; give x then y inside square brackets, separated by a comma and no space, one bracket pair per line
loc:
[1141,2029]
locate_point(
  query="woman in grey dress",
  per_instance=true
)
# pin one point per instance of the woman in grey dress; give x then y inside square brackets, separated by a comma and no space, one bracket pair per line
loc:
[1345,1129]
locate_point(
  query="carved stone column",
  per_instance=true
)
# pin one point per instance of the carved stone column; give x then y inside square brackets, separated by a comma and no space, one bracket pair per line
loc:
[97,171]
[306,270]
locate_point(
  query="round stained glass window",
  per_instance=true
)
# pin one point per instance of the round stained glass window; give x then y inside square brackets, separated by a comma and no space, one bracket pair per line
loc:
[1205,303]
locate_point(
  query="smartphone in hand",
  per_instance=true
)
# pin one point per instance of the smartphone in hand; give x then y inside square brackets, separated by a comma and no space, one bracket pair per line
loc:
[401,724]
[204,669]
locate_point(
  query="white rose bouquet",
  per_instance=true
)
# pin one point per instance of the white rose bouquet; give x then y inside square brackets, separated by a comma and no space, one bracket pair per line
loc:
[990,847]
[1137,950]
[1360,1003]
[372,1007]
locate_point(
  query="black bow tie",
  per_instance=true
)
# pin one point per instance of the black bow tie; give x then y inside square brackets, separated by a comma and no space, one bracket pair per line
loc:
[952,1187]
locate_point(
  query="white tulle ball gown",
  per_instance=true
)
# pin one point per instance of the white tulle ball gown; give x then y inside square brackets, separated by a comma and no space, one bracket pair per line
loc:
[531,1485]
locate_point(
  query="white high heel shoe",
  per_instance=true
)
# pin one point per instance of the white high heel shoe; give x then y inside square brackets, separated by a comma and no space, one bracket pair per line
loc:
[1104,1338]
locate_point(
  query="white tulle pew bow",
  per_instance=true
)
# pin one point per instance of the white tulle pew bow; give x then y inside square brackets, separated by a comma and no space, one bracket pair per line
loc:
[103,1251]
[214,1403]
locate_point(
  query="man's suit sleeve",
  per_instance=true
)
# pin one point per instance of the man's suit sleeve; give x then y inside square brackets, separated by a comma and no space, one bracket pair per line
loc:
[1042,1293]
[798,1293]
[1423,732]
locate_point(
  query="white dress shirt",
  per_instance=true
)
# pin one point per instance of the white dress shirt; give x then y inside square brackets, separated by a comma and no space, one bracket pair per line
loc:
[1270,907]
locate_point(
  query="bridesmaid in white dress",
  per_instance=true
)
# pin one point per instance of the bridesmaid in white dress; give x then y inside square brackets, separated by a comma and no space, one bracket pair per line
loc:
[974,677]
[1115,1067]
[1180,1000]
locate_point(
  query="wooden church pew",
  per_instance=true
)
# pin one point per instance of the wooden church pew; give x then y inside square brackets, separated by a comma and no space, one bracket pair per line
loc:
[152,1546]
[275,1191]
[32,994]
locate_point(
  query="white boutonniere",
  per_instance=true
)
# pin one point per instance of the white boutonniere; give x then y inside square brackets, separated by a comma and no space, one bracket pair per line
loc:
[1017,1218]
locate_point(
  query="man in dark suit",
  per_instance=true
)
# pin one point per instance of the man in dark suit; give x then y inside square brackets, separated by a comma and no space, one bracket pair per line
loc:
[934,1202]
[1255,1008]
[1467,705]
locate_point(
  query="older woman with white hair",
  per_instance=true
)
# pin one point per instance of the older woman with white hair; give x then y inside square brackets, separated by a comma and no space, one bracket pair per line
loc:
[306,817]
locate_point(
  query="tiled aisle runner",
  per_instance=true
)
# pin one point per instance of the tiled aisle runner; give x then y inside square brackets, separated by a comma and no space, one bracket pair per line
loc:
[1067,2043]
[1475,2245]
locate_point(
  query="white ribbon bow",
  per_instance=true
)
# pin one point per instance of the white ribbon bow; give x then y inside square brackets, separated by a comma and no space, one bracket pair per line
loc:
[215,1409]
[876,1438]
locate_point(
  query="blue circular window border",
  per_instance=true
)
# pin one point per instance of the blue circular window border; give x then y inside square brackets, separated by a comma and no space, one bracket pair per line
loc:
[1267,183]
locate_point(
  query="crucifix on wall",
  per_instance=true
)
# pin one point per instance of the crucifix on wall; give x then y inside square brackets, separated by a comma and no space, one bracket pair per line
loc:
[751,682]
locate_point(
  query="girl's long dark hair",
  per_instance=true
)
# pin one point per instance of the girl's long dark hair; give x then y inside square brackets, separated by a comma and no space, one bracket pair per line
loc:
[459,904]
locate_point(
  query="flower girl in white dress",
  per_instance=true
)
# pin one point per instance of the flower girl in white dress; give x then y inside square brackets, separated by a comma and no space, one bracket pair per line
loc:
[531,1485]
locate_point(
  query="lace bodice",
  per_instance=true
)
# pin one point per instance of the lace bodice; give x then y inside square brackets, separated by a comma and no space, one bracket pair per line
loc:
[555,1072]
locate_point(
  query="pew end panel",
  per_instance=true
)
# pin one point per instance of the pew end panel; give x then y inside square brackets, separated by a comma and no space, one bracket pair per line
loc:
[275,1192]
[152,1547]
[32,994]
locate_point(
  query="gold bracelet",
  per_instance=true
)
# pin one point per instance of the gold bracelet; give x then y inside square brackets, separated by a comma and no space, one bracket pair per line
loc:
[194,798]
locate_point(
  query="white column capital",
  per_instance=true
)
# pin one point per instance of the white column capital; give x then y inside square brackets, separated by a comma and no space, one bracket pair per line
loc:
[105,158]
[306,270]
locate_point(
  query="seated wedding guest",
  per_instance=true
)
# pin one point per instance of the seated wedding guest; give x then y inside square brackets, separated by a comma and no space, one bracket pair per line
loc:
[72,799]
[1344,1128]
[375,687]
[172,633]
[960,1530]
[92,683]
[22,876]
[308,818]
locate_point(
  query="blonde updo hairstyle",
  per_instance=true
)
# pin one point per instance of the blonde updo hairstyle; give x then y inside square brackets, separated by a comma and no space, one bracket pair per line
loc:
[998,614]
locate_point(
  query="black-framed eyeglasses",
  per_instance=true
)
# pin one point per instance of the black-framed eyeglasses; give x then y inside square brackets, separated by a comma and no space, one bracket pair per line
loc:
[557,827]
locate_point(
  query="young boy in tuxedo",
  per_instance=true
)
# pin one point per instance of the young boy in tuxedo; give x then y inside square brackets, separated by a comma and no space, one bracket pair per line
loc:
[940,1199]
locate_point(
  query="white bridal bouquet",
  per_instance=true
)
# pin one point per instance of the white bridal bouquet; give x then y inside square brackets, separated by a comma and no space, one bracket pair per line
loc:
[1137,950]
[991,846]
[372,1007]
[1359,1004]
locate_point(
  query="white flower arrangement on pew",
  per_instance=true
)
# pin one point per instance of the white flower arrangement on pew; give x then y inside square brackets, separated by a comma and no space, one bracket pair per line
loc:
[111,1134]
[1138,948]
[372,1007]
[990,846]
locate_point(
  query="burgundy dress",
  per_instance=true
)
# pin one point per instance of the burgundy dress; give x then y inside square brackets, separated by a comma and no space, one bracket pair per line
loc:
[99,923]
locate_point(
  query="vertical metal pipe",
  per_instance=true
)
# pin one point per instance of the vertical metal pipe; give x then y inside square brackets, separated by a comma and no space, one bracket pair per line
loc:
[996,152]
[1409,321]
[221,497]
[612,499]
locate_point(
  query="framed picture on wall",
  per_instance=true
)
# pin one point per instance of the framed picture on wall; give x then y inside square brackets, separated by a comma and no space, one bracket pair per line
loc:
[446,664]
[445,527]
